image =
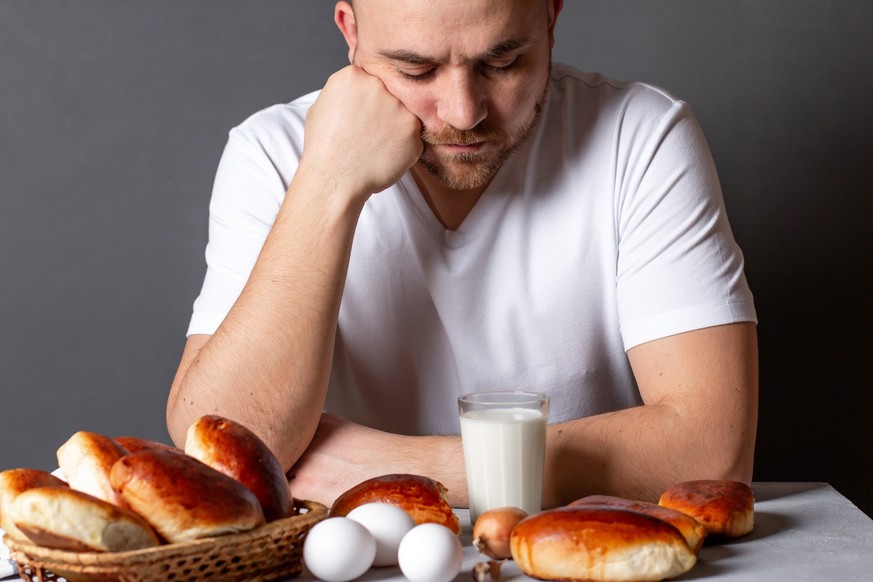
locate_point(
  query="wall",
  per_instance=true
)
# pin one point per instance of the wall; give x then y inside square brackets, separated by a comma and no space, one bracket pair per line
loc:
[113,115]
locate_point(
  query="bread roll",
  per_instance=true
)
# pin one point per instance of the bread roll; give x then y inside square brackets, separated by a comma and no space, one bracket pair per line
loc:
[15,482]
[581,543]
[421,497]
[86,459]
[236,451]
[134,444]
[182,498]
[725,508]
[691,530]
[66,519]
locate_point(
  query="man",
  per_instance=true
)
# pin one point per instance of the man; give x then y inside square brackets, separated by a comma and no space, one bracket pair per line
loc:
[462,216]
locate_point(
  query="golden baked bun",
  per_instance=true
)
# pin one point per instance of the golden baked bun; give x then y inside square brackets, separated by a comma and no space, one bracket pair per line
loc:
[582,543]
[725,508]
[134,444]
[14,482]
[421,497]
[236,451]
[66,519]
[182,498]
[85,461]
[691,530]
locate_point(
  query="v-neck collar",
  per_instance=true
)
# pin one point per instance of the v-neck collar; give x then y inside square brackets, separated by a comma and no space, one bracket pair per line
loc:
[482,216]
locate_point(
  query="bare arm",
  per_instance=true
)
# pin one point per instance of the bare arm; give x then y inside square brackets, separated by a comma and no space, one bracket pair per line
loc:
[343,454]
[268,363]
[699,421]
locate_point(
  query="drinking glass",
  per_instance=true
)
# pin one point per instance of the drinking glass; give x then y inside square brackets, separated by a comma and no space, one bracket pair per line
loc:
[503,434]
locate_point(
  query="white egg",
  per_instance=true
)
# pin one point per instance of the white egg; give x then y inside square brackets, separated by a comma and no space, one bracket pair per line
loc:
[338,549]
[430,553]
[388,524]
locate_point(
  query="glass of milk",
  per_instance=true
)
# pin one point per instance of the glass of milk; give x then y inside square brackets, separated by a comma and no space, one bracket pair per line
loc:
[504,440]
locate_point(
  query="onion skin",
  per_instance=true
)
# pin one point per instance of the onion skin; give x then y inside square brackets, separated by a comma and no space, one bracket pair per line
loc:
[492,529]
[482,571]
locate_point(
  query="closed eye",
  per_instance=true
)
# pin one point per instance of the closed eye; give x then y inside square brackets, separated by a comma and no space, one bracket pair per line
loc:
[500,66]
[417,76]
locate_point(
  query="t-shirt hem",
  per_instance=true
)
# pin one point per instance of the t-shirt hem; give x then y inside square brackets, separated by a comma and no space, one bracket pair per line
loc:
[204,323]
[686,319]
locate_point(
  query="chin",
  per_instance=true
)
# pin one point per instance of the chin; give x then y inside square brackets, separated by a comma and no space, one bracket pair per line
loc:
[462,175]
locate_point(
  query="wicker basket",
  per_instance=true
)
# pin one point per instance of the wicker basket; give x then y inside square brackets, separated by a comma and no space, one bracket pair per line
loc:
[270,552]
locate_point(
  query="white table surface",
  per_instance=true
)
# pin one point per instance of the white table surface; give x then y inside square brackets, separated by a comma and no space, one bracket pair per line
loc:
[803,531]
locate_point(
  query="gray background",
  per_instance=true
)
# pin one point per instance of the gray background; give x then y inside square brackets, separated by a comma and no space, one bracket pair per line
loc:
[113,115]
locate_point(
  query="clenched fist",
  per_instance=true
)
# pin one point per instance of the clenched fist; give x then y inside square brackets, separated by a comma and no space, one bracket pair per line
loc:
[359,137]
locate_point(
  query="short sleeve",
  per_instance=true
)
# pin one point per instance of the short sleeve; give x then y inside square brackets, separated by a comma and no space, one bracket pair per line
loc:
[679,267]
[250,183]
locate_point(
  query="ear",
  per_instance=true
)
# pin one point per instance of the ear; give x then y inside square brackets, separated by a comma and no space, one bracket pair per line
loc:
[555,7]
[344,16]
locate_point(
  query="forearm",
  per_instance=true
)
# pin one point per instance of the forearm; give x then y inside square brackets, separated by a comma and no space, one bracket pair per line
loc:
[344,453]
[268,363]
[699,421]
[634,453]
[440,458]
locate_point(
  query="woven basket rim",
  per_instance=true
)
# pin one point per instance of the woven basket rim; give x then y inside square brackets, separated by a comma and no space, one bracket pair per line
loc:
[280,527]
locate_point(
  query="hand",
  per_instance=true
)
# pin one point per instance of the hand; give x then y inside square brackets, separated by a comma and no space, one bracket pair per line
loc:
[343,454]
[359,137]
[340,455]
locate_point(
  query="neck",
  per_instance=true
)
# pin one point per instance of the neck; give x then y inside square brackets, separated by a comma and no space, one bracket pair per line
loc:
[450,206]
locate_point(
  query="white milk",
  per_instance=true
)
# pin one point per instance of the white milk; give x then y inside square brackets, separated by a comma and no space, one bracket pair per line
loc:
[504,451]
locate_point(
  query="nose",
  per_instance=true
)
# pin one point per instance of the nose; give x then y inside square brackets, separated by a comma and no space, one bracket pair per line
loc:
[462,102]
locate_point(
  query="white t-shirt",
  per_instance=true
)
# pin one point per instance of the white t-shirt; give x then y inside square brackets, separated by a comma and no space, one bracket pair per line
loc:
[605,230]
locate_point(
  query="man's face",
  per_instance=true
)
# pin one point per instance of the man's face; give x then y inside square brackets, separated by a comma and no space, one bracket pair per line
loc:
[474,71]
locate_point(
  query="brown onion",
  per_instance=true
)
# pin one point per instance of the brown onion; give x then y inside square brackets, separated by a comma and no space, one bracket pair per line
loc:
[492,529]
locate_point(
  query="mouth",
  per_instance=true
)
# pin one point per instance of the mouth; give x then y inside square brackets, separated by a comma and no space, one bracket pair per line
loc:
[466,147]
[460,148]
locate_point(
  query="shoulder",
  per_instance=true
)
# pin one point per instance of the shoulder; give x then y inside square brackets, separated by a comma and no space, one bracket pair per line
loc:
[567,80]
[632,119]
[269,142]
[610,99]
[277,125]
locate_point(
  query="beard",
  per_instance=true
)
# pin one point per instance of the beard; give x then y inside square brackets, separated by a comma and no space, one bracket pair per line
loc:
[467,171]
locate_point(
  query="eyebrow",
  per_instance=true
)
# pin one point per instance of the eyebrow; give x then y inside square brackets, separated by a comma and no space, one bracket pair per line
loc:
[500,49]
[505,47]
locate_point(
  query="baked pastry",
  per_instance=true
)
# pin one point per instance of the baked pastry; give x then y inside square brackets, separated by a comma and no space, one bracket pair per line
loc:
[66,519]
[603,543]
[85,461]
[236,451]
[725,508]
[182,498]
[421,497]
[14,482]
[691,530]
[134,444]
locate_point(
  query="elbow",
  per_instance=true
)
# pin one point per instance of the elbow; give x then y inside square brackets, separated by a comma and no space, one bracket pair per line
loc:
[733,467]
[717,449]
[739,465]
[730,458]
[738,455]
[727,451]
[713,463]
[179,414]
[176,427]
